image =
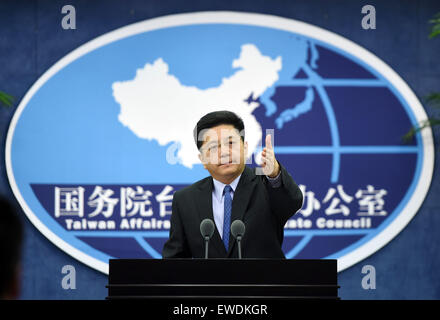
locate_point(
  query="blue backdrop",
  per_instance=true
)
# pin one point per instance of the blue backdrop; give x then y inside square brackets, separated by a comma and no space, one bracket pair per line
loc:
[32,40]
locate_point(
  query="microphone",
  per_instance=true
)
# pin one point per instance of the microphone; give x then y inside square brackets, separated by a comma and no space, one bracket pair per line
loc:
[237,230]
[207,230]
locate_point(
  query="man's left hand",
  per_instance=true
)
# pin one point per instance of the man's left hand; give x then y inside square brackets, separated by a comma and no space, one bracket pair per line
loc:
[270,165]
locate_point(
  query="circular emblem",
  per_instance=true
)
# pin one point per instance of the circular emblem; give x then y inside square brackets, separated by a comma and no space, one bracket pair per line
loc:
[103,139]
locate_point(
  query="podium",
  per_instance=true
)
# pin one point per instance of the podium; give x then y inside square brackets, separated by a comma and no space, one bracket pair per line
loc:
[222,278]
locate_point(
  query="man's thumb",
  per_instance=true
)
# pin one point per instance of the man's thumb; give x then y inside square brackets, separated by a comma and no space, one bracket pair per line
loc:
[268,141]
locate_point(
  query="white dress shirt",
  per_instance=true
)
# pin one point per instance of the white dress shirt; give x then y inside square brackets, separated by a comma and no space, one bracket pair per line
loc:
[218,198]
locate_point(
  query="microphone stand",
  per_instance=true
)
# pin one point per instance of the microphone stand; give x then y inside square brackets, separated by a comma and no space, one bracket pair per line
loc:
[206,246]
[239,246]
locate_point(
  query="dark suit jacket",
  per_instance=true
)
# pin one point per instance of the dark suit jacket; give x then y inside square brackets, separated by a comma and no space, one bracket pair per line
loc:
[263,209]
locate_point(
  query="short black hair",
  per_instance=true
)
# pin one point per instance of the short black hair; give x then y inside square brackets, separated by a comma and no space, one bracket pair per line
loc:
[214,119]
[11,233]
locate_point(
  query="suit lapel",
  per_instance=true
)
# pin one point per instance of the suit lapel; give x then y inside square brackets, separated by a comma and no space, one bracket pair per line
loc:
[242,195]
[204,204]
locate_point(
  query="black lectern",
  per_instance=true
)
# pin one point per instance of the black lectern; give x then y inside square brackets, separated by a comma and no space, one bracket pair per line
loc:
[222,278]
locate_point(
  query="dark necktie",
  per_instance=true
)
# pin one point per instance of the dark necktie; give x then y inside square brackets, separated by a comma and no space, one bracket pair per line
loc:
[227,215]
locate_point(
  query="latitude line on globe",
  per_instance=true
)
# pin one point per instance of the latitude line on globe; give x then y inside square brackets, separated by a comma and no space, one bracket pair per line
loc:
[344,149]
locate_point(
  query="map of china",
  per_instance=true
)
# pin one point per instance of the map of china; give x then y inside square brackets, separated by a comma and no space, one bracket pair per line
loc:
[156,106]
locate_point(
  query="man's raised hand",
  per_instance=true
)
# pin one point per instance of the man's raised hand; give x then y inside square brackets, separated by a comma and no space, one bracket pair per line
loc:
[269,165]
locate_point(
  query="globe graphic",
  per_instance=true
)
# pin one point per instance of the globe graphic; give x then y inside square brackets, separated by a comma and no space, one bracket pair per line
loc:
[313,136]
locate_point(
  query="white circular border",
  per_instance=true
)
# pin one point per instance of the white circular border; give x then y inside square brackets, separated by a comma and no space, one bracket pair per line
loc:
[230,17]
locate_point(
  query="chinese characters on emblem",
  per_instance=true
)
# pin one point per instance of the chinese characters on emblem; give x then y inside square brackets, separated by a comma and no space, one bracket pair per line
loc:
[370,202]
[141,208]
[132,202]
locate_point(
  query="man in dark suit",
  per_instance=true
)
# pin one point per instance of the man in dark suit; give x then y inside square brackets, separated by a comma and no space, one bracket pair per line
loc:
[263,198]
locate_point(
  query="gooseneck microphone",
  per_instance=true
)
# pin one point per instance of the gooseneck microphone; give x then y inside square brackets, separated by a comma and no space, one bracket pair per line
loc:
[207,230]
[237,230]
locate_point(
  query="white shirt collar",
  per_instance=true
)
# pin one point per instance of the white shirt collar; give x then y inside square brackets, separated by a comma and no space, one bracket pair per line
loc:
[219,186]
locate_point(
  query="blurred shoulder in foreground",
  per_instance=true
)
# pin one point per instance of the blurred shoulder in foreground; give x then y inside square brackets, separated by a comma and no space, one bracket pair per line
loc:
[11,234]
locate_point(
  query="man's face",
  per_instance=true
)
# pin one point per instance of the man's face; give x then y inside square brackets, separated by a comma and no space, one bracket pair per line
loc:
[223,152]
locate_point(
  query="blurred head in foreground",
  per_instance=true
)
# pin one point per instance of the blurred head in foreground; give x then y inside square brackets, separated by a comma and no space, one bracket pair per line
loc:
[11,233]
